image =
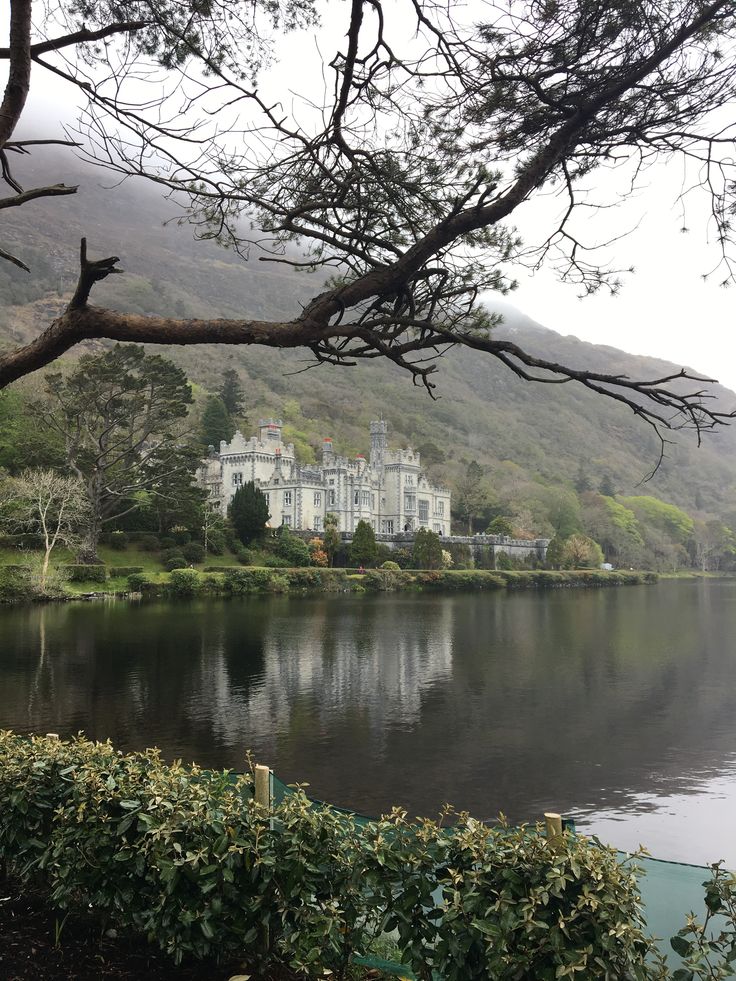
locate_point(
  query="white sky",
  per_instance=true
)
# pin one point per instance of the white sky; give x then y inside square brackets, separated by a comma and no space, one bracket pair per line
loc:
[664,309]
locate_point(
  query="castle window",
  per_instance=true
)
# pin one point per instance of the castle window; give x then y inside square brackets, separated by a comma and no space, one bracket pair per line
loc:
[387,527]
[287,519]
[409,480]
[267,496]
[440,508]
[238,479]
[331,497]
[317,498]
[438,527]
[356,498]
[424,511]
[366,499]
[287,498]
[410,502]
[317,523]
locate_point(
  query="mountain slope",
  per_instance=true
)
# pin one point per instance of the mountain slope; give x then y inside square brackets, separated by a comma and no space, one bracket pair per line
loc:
[517,430]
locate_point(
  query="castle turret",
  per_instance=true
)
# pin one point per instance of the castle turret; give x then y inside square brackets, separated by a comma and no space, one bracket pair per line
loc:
[379,430]
[328,455]
[269,430]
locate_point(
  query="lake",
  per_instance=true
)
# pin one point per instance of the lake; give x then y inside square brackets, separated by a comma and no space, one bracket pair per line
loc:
[614,706]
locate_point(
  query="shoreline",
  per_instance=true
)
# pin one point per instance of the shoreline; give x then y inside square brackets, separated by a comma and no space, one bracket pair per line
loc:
[252,580]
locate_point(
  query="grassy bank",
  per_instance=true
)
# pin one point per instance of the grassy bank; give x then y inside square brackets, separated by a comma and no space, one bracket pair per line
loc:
[136,571]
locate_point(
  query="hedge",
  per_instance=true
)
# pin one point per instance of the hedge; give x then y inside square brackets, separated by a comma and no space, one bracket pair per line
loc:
[121,571]
[85,573]
[187,859]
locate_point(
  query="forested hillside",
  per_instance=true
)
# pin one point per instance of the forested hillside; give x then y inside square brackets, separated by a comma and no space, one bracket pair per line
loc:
[527,438]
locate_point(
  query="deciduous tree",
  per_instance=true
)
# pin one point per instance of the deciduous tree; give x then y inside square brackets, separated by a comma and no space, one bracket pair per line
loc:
[332,540]
[427,552]
[52,505]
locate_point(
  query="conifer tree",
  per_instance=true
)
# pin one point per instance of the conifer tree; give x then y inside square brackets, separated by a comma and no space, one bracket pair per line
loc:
[231,392]
[248,512]
[363,549]
[216,422]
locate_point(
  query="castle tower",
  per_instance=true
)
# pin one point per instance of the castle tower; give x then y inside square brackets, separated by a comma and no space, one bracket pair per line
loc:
[379,430]
[328,457]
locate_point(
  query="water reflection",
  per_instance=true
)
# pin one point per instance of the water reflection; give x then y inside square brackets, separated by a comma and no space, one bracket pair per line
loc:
[615,704]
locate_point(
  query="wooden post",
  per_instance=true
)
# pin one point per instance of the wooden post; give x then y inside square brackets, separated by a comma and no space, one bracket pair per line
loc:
[263,786]
[553,824]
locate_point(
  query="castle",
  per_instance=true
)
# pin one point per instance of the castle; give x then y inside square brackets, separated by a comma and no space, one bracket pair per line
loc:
[389,491]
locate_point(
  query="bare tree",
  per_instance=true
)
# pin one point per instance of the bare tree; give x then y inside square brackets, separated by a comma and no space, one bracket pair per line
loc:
[406,180]
[50,504]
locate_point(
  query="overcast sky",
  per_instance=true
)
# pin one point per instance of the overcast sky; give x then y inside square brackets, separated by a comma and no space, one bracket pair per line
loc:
[664,309]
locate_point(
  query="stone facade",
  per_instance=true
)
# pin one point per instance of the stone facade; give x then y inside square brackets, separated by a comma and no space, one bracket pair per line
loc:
[388,490]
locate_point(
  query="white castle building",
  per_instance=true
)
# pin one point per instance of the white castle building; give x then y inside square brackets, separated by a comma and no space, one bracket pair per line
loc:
[389,491]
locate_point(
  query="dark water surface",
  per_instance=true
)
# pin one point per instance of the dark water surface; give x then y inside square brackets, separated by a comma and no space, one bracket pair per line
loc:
[617,706]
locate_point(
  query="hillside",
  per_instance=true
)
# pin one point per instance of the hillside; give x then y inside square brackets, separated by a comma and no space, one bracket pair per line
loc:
[518,431]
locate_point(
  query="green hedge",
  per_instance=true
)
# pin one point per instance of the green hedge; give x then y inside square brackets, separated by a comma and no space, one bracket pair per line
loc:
[122,571]
[185,858]
[85,573]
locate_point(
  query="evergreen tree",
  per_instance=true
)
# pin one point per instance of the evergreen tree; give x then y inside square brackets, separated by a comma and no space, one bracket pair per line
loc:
[582,480]
[121,416]
[427,553]
[216,422]
[332,540]
[248,512]
[363,549]
[607,486]
[231,393]
[501,525]
[471,495]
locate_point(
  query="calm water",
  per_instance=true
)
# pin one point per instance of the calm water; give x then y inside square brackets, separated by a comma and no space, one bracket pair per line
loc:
[617,706]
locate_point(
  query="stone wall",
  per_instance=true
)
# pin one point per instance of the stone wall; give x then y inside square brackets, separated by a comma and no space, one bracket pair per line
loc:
[480,545]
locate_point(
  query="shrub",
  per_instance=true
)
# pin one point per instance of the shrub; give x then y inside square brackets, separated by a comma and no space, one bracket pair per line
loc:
[84,573]
[193,552]
[384,580]
[290,548]
[184,582]
[16,583]
[243,581]
[149,543]
[329,580]
[138,582]
[503,561]
[276,562]
[175,562]
[187,858]
[244,555]
[119,540]
[402,557]
[392,566]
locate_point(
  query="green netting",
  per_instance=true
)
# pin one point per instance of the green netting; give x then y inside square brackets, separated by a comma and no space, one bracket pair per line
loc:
[669,890]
